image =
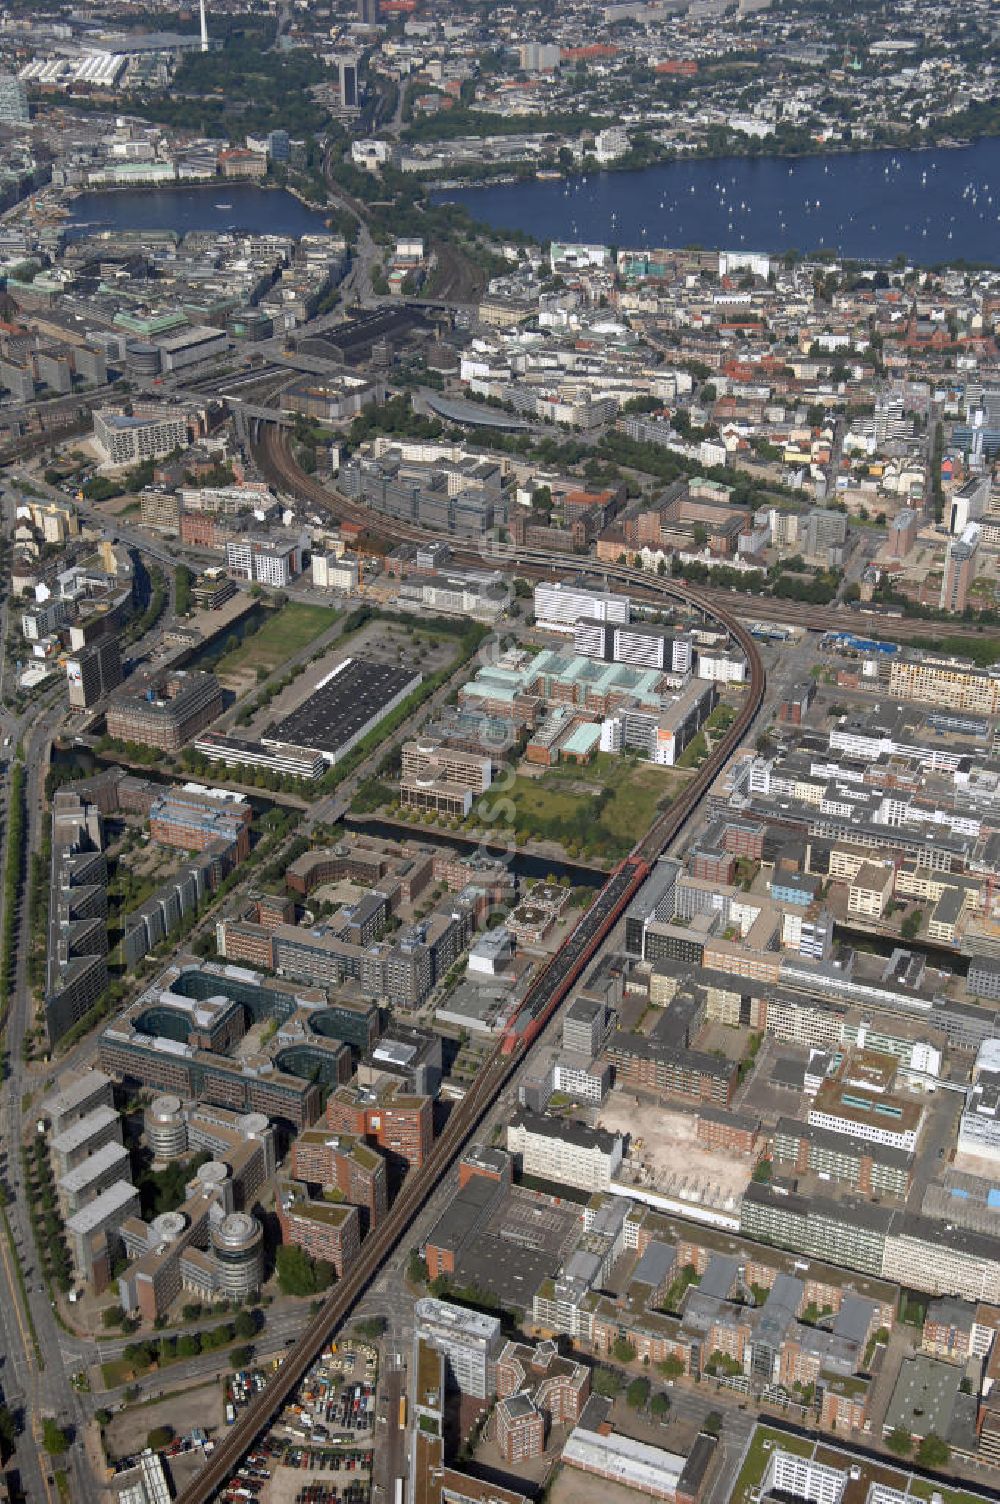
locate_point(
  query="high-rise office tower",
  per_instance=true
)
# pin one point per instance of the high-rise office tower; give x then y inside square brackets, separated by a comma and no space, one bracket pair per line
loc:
[960,569]
[348,67]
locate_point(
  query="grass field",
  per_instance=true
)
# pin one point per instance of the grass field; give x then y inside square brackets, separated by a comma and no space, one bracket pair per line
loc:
[598,811]
[756,1458]
[288,630]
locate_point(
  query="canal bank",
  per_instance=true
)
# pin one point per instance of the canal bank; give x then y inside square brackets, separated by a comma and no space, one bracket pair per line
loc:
[529,864]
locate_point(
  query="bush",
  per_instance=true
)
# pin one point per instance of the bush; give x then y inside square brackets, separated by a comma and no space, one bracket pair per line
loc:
[54,1438]
[933,1452]
[606,1383]
[245,1325]
[159,1437]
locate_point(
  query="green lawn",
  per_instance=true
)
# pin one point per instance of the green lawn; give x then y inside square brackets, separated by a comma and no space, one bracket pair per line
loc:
[597,811]
[920,1488]
[757,1454]
[116,1371]
[289,629]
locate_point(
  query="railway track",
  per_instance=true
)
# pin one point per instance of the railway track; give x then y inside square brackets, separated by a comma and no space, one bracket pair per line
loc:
[718,602]
[543,998]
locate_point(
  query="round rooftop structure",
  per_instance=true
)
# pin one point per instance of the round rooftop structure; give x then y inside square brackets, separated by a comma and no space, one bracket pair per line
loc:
[238,1230]
[253,1123]
[238,1245]
[168,1226]
[213,1173]
[165,1126]
[165,1107]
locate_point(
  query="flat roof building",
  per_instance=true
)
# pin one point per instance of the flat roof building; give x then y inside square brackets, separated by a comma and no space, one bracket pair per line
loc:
[344,707]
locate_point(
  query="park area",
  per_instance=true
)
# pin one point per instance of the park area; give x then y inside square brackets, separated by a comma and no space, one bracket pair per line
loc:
[598,811]
[286,632]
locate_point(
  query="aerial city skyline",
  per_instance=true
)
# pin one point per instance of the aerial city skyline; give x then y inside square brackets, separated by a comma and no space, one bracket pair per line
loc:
[499,752]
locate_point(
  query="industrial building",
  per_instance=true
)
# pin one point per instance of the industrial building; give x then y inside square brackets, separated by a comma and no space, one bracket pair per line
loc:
[344,707]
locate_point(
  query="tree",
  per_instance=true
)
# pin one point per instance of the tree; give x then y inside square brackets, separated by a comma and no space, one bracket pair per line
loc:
[637,1394]
[54,1438]
[622,1350]
[245,1325]
[899,1442]
[159,1437]
[605,1382]
[240,1357]
[933,1452]
[672,1367]
[712,1423]
[8,1432]
[911,924]
[659,1405]
[298,1274]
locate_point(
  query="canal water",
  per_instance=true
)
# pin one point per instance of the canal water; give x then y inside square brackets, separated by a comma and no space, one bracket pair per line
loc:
[523,863]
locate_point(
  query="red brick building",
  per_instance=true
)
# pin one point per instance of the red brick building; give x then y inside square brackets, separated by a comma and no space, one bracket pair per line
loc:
[536,1389]
[401,1125]
[348,1165]
[321,1229]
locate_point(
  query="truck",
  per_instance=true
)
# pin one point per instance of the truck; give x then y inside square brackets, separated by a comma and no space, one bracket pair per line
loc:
[230,1413]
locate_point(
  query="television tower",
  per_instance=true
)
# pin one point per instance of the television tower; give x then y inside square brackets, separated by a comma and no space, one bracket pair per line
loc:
[204,28]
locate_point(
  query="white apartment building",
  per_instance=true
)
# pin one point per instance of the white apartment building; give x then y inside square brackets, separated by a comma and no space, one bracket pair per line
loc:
[803,1478]
[979,1125]
[331,573]
[469,1340]
[130,439]
[581,1078]
[266,560]
[566,1152]
[227,500]
[723,668]
[559,606]
[902,1136]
